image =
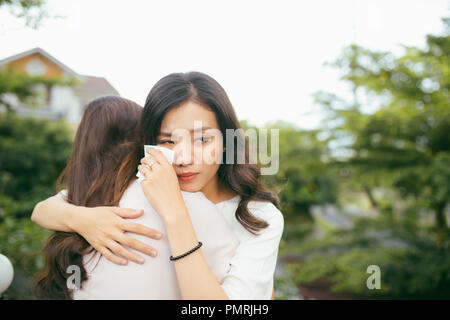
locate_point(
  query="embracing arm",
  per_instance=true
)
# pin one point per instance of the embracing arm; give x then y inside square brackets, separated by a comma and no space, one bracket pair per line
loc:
[103,227]
[56,214]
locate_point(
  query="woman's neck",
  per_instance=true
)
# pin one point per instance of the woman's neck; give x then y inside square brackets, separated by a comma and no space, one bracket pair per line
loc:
[216,192]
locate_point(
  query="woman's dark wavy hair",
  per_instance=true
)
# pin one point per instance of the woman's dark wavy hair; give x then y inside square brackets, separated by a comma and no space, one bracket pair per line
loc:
[101,144]
[176,89]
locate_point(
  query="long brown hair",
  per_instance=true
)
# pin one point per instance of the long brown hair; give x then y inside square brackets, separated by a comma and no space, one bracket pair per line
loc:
[101,143]
[176,89]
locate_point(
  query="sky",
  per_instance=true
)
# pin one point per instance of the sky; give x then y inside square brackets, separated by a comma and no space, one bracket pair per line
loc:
[268,55]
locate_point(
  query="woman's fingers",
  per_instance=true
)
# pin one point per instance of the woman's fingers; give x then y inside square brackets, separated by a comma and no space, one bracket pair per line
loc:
[110,256]
[158,155]
[117,248]
[150,160]
[127,213]
[150,164]
[141,229]
[137,245]
[144,170]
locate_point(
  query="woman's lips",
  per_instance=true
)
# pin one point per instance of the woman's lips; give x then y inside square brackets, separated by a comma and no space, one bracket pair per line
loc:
[187,176]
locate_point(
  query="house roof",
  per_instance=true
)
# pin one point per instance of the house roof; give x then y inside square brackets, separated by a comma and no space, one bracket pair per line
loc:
[46,55]
[89,86]
[95,85]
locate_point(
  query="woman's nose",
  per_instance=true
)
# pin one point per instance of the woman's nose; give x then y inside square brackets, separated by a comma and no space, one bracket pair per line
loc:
[182,154]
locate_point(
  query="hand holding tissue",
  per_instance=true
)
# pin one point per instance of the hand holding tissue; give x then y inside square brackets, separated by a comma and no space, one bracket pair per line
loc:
[169,154]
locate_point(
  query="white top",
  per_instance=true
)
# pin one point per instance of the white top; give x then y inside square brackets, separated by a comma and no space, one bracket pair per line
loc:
[252,267]
[156,278]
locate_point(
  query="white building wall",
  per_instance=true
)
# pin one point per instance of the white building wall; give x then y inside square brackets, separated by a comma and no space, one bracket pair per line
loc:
[64,103]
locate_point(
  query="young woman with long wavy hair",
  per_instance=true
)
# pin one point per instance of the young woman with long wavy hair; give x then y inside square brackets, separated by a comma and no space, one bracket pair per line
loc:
[177,102]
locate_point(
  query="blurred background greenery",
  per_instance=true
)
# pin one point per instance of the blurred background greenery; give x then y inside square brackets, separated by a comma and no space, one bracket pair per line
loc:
[373,188]
[367,188]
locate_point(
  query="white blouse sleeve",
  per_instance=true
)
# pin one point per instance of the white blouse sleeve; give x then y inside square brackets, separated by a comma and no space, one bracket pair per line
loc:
[252,267]
[62,194]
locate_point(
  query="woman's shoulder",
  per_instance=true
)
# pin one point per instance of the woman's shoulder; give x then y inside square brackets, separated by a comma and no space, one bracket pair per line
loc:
[133,187]
[133,195]
[62,194]
[262,209]
[268,212]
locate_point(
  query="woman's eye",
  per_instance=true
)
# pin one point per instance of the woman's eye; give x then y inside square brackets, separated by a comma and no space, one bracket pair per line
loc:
[203,139]
[166,142]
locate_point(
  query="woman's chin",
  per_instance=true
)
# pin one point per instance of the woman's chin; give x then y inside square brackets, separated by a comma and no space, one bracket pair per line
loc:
[189,187]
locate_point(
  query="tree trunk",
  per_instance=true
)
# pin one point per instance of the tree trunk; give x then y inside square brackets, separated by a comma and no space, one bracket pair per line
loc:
[373,203]
[441,224]
[441,219]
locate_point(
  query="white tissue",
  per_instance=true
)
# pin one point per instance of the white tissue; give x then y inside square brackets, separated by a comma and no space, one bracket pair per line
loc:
[166,152]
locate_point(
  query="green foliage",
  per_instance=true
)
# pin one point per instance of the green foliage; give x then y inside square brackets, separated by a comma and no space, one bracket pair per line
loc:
[24,86]
[402,147]
[411,265]
[21,240]
[304,177]
[30,10]
[34,152]
[405,143]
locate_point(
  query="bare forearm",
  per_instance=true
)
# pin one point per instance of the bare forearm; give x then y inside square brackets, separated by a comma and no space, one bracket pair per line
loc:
[195,279]
[55,214]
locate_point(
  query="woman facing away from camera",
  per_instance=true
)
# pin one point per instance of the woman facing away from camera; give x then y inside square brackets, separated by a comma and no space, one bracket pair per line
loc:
[176,103]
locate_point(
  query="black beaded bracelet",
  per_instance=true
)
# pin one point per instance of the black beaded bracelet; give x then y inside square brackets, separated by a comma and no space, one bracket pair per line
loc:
[185,254]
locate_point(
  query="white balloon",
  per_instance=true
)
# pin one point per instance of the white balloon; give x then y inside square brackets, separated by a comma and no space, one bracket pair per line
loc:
[6,273]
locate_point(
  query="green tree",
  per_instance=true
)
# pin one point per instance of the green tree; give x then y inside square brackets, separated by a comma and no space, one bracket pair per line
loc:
[24,87]
[31,11]
[393,135]
[304,176]
[405,144]
[33,153]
